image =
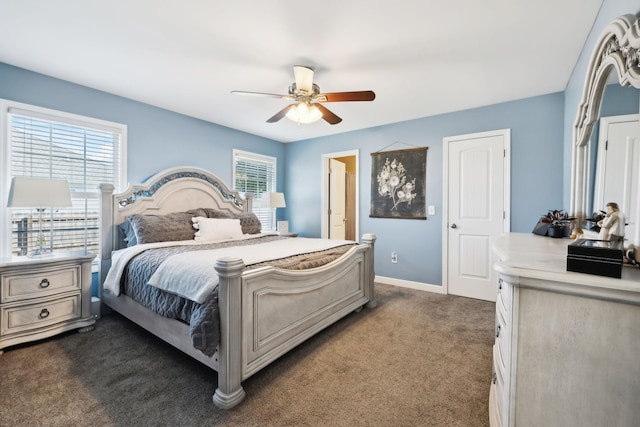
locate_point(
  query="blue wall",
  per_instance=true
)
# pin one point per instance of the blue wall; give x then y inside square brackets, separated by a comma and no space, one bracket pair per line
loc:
[536,177]
[157,138]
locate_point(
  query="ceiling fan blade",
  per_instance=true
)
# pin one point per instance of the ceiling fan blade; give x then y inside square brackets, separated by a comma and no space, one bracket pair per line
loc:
[328,115]
[364,95]
[280,114]
[261,94]
[304,78]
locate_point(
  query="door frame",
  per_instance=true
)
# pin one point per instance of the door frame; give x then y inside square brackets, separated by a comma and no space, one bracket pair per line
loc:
[324,206]
[506,134]
[604,122]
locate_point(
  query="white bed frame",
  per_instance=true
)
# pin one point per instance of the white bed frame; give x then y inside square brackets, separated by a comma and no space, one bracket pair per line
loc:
[264,312]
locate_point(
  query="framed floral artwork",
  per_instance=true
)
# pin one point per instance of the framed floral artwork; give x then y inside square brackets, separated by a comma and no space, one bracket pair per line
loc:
[398,181]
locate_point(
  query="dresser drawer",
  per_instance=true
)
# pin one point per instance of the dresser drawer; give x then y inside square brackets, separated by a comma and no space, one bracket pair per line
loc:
[502,333]
[39,282]
[501,312]
[504,293]
[494,414]
[25,317]
[499,383]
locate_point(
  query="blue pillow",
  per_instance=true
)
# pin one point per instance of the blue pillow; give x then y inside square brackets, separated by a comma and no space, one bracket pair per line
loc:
[128,233]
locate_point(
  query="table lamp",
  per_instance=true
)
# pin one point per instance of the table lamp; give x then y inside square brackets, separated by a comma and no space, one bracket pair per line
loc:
[39,193]
[275,200]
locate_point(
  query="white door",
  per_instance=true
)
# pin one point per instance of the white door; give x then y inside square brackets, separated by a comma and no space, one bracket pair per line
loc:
[337,194]
[617,170]
[476,197]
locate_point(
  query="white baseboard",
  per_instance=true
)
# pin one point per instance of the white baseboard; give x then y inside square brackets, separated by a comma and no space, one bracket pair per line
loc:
[411,285]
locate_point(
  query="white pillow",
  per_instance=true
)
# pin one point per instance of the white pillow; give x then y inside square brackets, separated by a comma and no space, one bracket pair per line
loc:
[210,229]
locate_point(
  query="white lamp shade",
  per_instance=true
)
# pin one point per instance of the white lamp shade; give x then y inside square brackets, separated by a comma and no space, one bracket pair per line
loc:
[39,193]
[273,200]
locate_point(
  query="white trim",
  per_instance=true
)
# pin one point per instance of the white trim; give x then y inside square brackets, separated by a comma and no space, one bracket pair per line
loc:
[5,224]
[324,205]
[61,116]
[253,155]
[7,107]
[258,158]
[410,284]
[506,134]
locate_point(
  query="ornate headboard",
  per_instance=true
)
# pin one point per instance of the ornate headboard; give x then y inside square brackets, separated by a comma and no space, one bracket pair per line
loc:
[172,190]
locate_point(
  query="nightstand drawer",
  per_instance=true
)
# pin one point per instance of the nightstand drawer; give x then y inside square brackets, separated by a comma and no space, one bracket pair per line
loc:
[18,318]
[39,282]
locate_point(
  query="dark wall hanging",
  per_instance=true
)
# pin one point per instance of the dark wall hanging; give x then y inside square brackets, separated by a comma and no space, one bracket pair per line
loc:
[398,184]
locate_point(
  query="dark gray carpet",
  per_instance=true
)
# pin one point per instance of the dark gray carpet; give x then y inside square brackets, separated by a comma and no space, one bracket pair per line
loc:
[418,359]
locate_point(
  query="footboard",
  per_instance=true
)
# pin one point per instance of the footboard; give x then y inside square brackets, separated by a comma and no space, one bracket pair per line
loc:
[266,312]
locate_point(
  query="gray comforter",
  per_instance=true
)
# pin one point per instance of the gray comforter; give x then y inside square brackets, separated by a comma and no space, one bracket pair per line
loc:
[203,319]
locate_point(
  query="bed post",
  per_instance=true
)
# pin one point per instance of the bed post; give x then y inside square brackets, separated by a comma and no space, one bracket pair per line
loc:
[106,230]
[229,392]
[370,274]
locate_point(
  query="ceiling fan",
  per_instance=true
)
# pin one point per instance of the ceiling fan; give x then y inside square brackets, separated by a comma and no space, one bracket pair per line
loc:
[307,99]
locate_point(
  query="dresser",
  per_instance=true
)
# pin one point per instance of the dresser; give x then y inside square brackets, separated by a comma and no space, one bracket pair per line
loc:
[41,297]
[567,345]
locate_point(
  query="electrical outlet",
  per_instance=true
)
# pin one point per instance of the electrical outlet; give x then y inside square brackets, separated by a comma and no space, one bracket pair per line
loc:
[432,210]
[394,257]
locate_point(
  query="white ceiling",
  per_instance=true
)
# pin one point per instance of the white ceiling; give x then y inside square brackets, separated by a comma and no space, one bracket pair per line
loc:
[421,57]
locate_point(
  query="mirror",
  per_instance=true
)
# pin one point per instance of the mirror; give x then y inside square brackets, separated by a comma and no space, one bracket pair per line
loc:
[616,52]
[615,153]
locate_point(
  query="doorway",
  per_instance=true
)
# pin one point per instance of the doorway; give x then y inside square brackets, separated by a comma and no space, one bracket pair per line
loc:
[616,178]
[476,211]
[340,201]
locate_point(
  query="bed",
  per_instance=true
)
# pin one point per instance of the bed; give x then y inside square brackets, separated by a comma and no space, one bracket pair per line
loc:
[263,310]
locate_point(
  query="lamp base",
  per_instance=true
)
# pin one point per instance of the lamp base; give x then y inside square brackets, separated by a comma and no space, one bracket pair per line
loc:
[41,250]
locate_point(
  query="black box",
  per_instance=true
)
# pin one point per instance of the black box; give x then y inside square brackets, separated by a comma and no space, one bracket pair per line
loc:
[600,257]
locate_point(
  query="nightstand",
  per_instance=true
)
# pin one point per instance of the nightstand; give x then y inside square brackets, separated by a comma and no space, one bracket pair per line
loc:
[44,296]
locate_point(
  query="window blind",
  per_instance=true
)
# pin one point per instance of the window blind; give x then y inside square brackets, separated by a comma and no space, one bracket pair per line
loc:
[86,154]
[256,173]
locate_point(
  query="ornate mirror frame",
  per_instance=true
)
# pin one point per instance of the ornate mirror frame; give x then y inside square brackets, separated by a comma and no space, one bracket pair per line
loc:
[617,48]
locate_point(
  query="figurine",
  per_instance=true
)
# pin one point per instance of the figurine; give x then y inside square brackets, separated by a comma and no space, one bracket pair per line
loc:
[577,233]
[612,225]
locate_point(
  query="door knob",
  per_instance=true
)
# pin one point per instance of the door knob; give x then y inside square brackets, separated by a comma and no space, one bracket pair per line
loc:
[454,226]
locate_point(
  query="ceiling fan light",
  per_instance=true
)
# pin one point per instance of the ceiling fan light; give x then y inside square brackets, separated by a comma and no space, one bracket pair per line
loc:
[304,113]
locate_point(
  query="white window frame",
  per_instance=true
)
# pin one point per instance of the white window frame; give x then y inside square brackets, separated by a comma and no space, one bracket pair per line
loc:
[248,155]
[6,107]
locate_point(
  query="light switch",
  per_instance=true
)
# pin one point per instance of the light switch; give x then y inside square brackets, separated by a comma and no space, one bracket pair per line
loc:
[432,210]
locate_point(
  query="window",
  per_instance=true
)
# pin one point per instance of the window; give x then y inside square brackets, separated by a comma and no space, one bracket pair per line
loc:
[43,143]
[256,173]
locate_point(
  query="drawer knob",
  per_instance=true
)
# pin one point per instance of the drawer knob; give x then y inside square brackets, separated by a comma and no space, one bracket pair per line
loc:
[44,313]
[495,378]
[498,331]
[500,284]
[44,283]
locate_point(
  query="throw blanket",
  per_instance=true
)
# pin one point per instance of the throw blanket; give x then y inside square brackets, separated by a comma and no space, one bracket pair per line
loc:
[193,276]
[121,257]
